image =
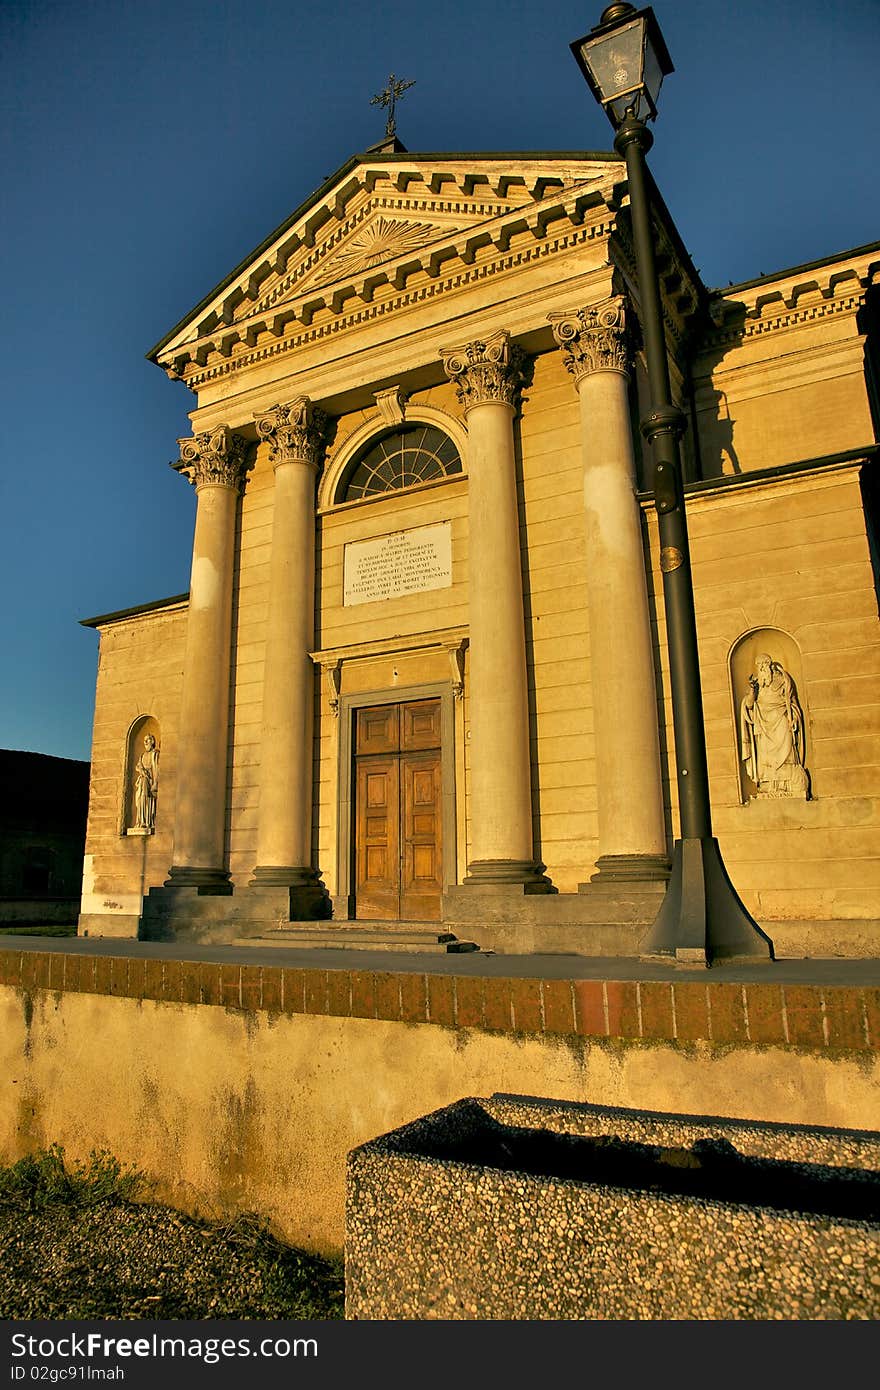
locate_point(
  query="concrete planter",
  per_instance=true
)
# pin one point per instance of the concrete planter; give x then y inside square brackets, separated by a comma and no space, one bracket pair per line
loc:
[517,1208]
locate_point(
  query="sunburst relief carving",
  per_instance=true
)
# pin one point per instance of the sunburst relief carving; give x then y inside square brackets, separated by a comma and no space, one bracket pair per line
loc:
[384,239]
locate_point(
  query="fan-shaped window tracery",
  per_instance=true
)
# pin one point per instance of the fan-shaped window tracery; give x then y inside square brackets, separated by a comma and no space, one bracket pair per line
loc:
[403,457]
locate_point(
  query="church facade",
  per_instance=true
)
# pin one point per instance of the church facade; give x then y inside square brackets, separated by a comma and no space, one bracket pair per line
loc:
[420,678]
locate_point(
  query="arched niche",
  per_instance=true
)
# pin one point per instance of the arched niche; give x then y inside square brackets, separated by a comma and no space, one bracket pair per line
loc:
[770,716]
[140,800]
[336,472]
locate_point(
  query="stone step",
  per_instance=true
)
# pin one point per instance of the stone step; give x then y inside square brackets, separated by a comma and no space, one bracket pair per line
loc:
[313,936]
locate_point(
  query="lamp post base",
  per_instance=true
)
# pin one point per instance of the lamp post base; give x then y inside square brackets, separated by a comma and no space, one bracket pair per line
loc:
[702,920]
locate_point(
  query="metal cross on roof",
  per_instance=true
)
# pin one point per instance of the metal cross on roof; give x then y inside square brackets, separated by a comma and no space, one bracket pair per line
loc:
[389,97]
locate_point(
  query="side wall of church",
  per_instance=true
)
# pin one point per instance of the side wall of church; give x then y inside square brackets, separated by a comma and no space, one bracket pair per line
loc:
[791,556]
[781,378]
[140,673]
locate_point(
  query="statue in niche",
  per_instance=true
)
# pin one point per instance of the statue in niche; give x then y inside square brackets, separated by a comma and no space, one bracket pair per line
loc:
[772,732]
[146,785]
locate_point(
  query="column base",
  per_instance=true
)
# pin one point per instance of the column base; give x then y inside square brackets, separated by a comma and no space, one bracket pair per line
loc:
[206,881]
[621,868]
[493,873]
[309,899]
[702,919]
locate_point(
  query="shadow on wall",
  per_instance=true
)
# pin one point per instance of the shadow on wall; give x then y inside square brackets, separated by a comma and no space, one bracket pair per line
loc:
[714,423]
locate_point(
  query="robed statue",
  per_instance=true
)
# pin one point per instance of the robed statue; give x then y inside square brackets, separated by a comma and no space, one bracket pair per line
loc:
[146,785]
[772,732]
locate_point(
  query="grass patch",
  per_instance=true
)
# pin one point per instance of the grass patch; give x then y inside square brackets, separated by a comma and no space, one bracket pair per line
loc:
[75,1243]
[45,1180]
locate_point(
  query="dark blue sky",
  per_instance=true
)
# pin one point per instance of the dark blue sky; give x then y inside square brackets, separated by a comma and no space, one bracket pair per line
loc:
[148,146]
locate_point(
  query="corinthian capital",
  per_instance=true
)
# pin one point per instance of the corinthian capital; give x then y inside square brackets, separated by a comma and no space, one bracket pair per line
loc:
[214,457]
[593,339]
[294,432]
[485,371]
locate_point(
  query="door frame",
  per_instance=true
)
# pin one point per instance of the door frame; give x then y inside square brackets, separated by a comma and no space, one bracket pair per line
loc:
[344,901]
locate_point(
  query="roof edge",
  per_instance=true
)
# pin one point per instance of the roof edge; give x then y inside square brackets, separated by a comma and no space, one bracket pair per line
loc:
[726,481]
[796,269]
[137,611]
[319,193]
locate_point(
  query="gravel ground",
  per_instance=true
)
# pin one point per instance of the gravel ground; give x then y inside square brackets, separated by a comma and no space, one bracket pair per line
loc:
[78,1256]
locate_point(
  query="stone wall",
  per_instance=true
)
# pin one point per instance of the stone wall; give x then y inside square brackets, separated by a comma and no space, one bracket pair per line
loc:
[792,555]
[780,377]
[242,1087]
[140,671]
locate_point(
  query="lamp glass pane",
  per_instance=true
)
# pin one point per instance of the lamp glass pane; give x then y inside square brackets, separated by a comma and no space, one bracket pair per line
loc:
[615,60]
[653,76]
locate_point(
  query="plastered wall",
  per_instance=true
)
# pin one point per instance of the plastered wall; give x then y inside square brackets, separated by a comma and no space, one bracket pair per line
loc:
[252,1101]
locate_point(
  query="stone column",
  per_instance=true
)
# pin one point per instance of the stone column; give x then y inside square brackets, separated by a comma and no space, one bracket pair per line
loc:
[284,834]
[632,834]
[487,376]
[214,463]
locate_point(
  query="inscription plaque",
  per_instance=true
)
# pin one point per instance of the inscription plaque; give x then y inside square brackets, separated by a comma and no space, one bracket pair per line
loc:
[405,562]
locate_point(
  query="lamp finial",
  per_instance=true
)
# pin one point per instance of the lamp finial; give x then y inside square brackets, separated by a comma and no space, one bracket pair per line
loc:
[616,11]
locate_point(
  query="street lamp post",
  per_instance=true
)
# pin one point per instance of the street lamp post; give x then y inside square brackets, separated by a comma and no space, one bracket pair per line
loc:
[624,59]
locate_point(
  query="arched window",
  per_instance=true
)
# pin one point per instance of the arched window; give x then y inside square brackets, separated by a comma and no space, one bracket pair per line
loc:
[403,457]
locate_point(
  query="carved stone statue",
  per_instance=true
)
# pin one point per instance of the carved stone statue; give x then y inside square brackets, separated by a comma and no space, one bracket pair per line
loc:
[146,785]
[772,732]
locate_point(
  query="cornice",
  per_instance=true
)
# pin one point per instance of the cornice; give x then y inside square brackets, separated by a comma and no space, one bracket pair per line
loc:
[794,299]
[756,322]
[460,271]
[494,173]
[784,478]
[682,294]
[412,642]
[847,258]
[365,239]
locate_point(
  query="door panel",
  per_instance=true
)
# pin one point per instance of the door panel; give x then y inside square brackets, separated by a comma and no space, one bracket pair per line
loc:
[398,811]
[420,725]
[378,729]
[421,879]
[377,837]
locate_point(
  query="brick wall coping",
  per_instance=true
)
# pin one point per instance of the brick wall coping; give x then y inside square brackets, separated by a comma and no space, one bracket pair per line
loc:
[817,1015]
[850,970]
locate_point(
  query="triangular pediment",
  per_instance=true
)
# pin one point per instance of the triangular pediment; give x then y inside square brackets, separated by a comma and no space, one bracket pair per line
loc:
[380,238]
[378,231]
[381,221]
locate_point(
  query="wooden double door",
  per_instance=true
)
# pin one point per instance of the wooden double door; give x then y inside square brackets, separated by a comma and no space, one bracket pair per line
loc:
[398,812]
